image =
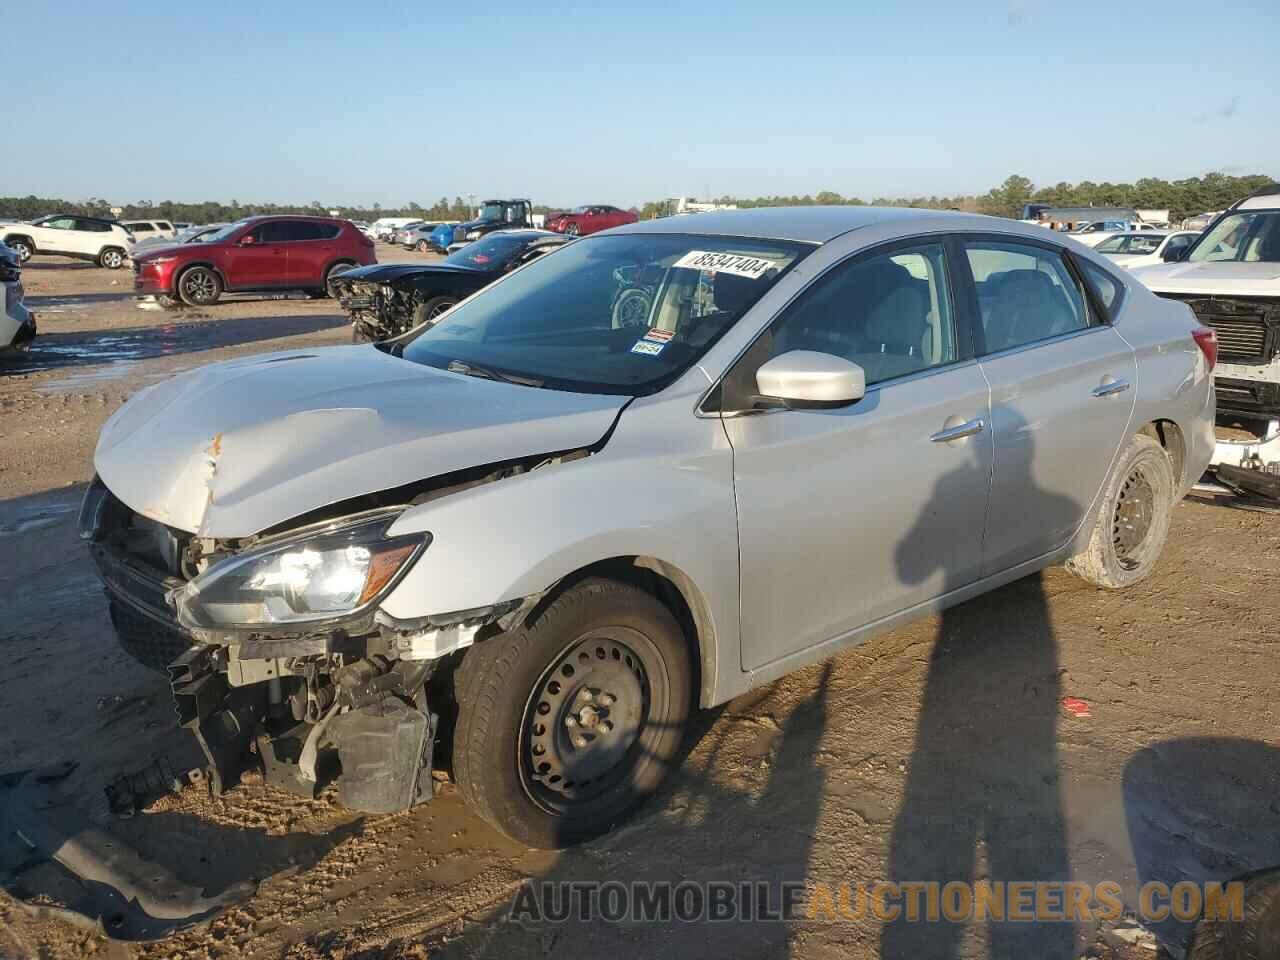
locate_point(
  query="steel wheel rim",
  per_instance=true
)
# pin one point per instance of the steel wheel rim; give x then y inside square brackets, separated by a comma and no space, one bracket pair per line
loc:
[23,251]
[1132,518]
[111,259]
[585,731]
[199,284]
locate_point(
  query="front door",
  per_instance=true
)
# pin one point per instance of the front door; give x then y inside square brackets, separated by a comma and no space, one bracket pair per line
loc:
[262,262]
[58,236]
[847,516]
[1061,396]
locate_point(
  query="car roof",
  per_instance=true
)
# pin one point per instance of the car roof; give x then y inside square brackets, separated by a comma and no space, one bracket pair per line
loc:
[290,216]
[818,224]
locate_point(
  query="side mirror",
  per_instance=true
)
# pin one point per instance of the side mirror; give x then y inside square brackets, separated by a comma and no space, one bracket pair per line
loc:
[248,240]
[806,379]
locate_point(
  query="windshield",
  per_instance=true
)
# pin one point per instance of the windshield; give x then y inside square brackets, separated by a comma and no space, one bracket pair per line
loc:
[1114,245]
[486,252]
[491,211]
[611,314]
[223,233]
[1246,237]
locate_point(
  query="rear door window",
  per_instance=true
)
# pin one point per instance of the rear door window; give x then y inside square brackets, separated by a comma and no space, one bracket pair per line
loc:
[1025,293]
[299,230]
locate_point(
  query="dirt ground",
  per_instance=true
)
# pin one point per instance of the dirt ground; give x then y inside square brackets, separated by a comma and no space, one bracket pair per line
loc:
[937,751]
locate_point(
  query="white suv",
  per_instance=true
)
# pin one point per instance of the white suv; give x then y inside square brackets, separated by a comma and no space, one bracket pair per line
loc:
[105,242]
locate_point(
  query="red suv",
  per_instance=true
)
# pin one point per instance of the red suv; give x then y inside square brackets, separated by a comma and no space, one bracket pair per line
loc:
[583,220]
[254,254]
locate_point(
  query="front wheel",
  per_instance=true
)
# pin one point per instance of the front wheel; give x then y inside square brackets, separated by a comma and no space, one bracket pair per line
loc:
[424,247]
[1132,518]
[199,286]
[567,725]
[432,310]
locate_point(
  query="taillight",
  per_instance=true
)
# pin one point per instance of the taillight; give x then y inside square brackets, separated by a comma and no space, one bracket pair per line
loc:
[1206,339]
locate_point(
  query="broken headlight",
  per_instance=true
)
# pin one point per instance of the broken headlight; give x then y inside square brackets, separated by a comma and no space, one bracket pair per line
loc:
[329,575]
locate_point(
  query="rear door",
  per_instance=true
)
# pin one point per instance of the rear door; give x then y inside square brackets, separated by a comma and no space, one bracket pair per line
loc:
[311,247]
[1061,394]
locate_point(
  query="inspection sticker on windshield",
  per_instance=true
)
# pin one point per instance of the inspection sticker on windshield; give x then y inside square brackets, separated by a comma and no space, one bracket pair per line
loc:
[735,263]
[649,348]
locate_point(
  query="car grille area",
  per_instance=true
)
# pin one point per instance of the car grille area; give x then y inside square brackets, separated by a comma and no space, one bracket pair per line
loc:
[139,562]
[1248,328]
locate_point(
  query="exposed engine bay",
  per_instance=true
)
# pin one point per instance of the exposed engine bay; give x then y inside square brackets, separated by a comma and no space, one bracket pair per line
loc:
[379,310]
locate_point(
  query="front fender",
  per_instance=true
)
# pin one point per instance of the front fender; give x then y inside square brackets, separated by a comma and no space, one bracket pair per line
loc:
[517,537]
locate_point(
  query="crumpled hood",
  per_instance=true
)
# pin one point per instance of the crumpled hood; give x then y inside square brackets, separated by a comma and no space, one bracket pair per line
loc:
[387,272]
[236,447]
[1224,278]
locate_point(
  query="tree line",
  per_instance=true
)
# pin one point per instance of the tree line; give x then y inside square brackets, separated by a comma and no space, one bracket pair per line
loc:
[1183,198]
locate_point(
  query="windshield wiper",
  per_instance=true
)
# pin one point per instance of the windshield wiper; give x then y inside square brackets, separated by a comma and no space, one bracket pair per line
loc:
[471,370]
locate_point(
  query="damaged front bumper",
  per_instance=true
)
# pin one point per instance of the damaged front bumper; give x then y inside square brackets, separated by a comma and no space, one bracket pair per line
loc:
[341,701]
[378,310]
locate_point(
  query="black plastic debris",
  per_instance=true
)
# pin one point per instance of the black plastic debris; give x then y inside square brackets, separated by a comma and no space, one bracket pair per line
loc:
[54,861]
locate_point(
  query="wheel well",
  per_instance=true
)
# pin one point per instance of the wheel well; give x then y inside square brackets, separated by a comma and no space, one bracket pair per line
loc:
[337,263]
[676,591]
[19,236]
[1169,436]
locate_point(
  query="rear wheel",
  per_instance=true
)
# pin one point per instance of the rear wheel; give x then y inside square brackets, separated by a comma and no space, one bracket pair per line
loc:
[199,286]
[337,270]
[112,258]
[573,230]
[1132,518]
[566,726]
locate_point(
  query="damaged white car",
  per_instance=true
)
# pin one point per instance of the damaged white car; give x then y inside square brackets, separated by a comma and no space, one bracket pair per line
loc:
[1231,278]
[525,542]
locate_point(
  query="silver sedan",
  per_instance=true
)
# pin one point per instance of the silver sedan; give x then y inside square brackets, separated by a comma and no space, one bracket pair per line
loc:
[661,466]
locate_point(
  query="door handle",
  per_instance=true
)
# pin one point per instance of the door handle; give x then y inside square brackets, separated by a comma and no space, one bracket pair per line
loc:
[958,431]
[1109,386]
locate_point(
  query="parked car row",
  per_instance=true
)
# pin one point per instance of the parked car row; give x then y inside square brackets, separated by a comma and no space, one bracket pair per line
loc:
[642,474]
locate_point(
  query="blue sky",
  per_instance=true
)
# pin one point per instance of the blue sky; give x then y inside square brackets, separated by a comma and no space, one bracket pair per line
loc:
[625,102]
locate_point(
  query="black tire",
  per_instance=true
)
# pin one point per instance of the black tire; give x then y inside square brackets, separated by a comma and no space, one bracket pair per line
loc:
[517,769]
[336,270]
[23,247]
[199,286]
[430,311]
[168,302]
[424,247]
[1132,518]
[1256,936]
[112,258]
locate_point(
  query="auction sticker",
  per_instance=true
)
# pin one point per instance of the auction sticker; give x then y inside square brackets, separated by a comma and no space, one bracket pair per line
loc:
[649,348]
[735,263]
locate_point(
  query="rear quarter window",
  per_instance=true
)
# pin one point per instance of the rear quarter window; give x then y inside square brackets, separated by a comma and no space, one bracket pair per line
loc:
[1106,288]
